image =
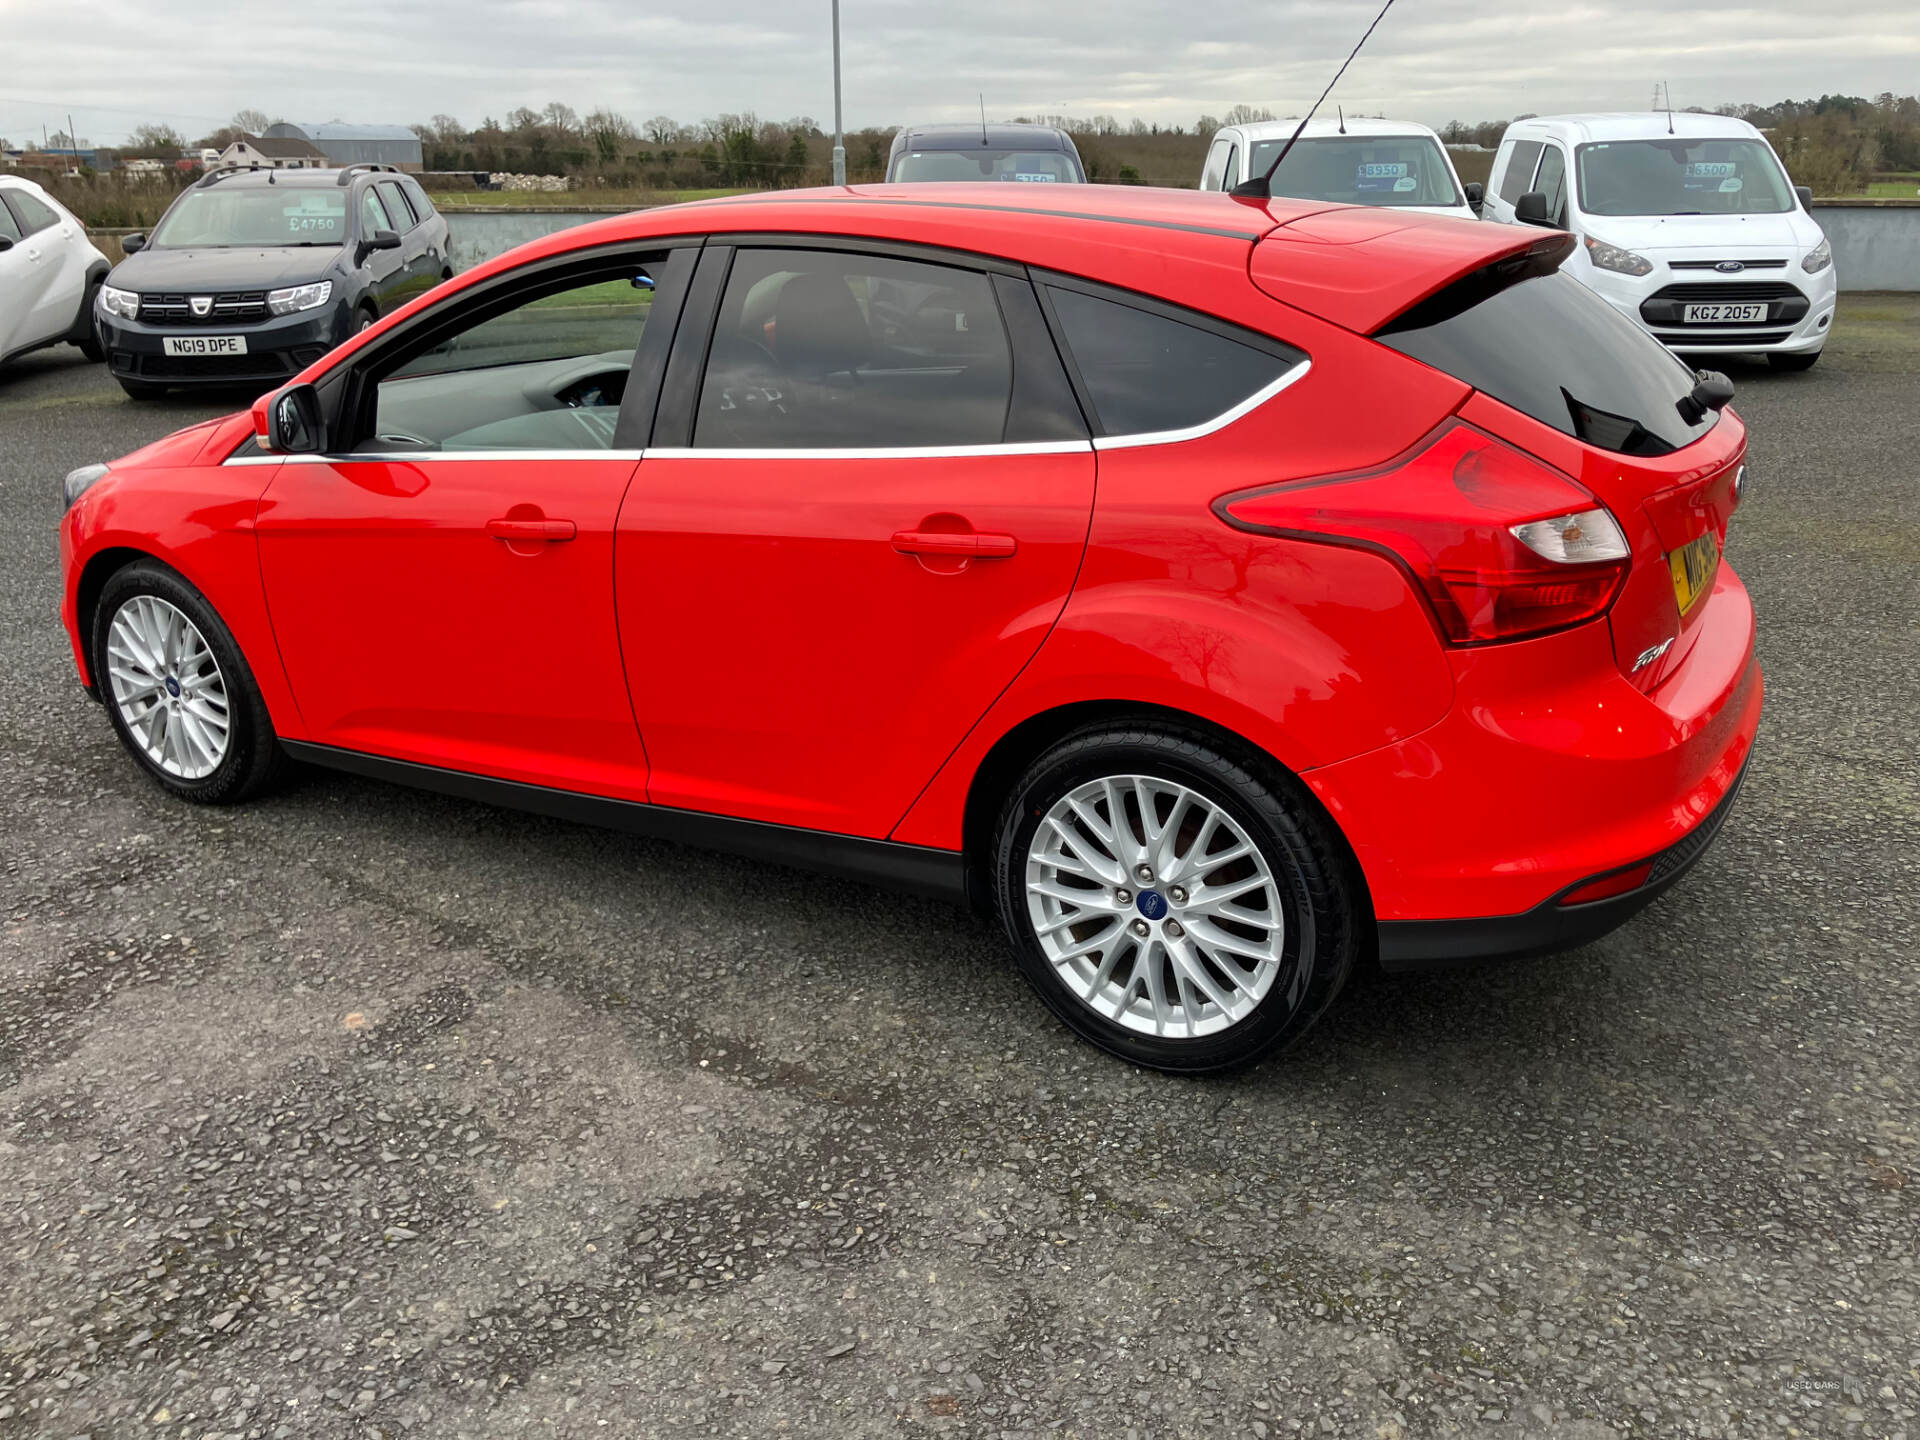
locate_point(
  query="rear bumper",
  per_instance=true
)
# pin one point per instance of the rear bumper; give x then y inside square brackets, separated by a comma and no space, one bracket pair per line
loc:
[1415,945]
[1551,769]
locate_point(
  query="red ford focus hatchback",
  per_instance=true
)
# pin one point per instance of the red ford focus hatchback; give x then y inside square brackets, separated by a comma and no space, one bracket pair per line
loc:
[1222,592]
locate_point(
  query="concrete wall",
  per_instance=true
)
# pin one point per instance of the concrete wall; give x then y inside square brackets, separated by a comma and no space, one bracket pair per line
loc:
[480,234]
[1876,243]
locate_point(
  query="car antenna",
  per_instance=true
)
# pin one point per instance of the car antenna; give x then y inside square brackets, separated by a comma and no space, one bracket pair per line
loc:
[1341,111]
[1262,188]
[983,117]
[1669,88]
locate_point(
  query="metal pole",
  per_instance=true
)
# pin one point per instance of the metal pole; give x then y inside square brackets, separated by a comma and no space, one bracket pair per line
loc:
[839,140]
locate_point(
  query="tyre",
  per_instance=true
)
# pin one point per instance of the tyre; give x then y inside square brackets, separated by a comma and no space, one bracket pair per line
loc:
[179,693]
[1781,360]
[91,348]
[363,319]
[142,390]
[1170,905]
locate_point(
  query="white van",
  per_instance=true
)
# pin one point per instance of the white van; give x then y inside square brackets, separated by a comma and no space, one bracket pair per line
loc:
[1350,162]
[1687,223]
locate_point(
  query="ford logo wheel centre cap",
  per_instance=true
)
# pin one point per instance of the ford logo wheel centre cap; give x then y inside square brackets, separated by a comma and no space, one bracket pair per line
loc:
[1152,904]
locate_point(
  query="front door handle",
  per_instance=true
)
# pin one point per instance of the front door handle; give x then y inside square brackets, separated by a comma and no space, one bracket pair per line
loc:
[522,530]
[965,544]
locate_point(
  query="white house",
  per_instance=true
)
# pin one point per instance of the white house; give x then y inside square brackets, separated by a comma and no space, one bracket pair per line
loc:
[272,154]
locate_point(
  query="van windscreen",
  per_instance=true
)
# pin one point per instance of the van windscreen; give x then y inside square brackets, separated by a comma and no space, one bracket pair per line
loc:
[1681,175]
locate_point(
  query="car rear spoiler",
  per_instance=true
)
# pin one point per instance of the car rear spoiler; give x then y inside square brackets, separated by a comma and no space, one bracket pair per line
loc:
[1366,268]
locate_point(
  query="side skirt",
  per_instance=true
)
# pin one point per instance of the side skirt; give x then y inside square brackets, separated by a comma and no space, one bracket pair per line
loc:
[941,874]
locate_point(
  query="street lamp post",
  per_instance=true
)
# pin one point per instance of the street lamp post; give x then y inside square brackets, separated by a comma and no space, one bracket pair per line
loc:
[839,141]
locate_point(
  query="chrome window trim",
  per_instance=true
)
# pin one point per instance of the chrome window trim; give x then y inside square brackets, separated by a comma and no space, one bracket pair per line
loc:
[872,452]
[1207,427]
[372,457]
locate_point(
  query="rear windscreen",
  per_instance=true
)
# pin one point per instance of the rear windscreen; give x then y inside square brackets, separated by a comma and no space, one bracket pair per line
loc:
[1359,170]
[1550,347]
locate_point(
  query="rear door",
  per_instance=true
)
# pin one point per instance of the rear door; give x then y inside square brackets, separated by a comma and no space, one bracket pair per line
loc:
[423,270]
[22,281]
[864,506]
[55,275]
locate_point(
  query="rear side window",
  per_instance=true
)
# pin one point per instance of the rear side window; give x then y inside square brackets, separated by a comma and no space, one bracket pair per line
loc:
[9,227]
[1147,373]
[1550,347]
[1519,172]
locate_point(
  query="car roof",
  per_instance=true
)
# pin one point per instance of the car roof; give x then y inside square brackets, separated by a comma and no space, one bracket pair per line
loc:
[974,137]
[1355,265]
[1635,125]
[1330,125]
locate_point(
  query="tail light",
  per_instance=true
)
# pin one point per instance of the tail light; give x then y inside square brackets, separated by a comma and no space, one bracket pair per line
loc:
[1501,544]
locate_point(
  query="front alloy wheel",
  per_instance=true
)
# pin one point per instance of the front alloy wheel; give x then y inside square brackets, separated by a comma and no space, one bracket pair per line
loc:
[1171,905]
[180,695]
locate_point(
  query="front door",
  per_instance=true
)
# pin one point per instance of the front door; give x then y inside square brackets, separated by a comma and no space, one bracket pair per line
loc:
[868,531]
[442,591]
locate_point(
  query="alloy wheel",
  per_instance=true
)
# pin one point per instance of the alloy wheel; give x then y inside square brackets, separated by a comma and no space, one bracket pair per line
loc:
[168,687]
[1154,906]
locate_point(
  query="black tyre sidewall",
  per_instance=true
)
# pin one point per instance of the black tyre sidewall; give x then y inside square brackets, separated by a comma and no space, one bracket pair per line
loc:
[1312,879]
[253,754]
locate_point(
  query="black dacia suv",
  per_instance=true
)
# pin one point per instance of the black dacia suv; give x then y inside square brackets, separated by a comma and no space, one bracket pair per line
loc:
[253,274]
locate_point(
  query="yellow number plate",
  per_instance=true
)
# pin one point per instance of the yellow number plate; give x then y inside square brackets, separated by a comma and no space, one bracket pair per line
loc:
[1694,565]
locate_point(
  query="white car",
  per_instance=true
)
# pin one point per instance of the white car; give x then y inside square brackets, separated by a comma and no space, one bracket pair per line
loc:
[48,273]
[1346,161]
[1687,223]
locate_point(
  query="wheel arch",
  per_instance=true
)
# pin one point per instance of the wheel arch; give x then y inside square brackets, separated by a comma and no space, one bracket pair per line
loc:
[1024,743]
[101,567]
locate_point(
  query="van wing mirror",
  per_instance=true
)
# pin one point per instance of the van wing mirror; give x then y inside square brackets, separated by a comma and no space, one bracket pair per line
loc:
[1531,209]
[1805,192]
[1476,195]
[292,421]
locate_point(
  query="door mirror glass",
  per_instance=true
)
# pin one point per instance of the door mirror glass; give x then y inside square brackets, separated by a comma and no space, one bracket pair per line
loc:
[293,421]
[132,244]
[1531,209]
[1476,195]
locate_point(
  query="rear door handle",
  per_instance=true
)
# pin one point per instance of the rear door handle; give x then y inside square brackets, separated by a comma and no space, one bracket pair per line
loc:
[505,529]
[968,544]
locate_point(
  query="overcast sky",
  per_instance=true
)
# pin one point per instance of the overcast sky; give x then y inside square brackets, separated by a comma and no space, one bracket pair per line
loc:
[115,63]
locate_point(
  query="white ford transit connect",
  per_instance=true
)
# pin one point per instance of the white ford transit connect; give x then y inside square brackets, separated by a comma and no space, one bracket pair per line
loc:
[1687,223]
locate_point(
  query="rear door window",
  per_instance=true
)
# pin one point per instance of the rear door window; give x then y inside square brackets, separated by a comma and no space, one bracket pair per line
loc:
[1553,349]
[815,348]
[35,214]
[1517,178]
[398,209]
[9,227]
[1147,373]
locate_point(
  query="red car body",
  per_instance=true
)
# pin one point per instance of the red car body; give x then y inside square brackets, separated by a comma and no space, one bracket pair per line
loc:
[734,638]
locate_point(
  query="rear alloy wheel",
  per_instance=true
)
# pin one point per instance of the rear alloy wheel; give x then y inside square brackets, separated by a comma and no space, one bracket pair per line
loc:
[1784,360]
[1168,905]
[181,698]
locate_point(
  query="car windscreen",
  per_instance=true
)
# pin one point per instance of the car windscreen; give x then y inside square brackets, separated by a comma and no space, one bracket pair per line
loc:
[1682,176]
[1360,170]
[1553,349]
[1034,166]
[272,215]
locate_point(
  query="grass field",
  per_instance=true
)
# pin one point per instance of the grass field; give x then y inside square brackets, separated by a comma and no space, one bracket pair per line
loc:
[548,199]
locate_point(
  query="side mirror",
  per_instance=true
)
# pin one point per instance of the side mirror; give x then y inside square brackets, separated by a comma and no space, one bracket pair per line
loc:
[293,423]
[132,244]
[384,240]
[1805,192]
[5,243]
[1476,195]
[1531,209]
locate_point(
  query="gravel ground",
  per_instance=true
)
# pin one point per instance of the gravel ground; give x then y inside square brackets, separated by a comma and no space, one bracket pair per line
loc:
[361,1112]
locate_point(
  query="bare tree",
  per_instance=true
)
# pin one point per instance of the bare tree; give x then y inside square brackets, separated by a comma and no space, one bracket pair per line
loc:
[610,133]
[157,142]
[251,121]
